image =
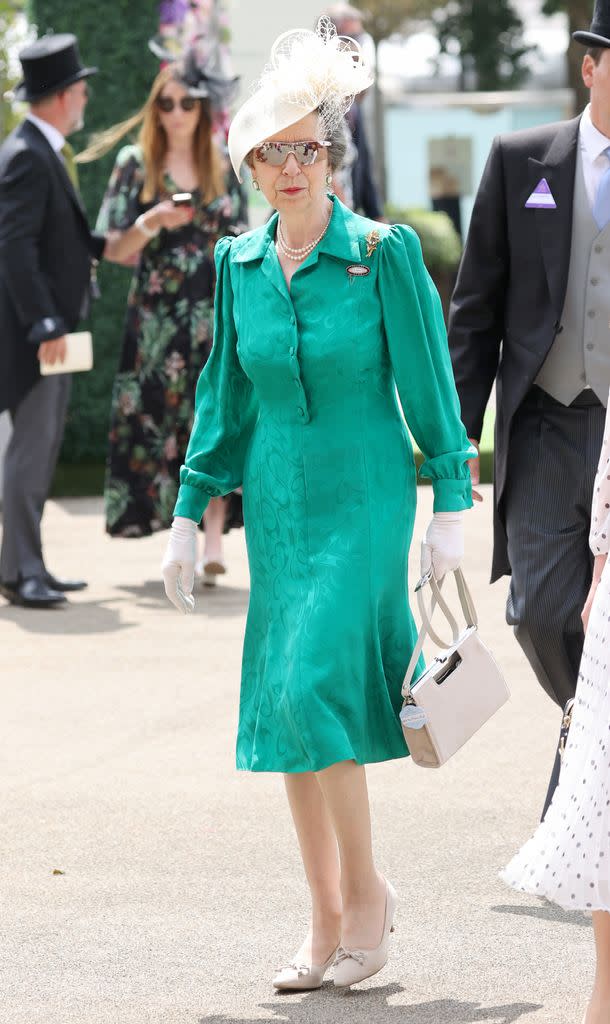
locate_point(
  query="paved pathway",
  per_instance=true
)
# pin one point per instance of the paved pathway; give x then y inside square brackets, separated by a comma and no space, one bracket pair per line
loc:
[144,880]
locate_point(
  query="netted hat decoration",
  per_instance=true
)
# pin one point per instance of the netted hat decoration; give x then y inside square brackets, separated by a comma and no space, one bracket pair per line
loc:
[307,71]
[200,76]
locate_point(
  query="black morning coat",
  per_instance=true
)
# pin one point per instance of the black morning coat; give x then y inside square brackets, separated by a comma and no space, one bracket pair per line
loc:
[508,301]
[46,248]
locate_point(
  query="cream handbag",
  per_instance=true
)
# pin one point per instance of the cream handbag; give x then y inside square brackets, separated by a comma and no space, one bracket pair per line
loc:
[459,691]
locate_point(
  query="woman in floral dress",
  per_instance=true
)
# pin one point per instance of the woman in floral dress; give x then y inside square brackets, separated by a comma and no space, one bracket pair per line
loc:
[168,331]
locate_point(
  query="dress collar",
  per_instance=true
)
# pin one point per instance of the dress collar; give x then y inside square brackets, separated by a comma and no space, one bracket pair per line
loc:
[341,240]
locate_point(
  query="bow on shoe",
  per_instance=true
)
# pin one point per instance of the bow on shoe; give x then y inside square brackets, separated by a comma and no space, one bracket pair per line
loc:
[302,969]
[349,954]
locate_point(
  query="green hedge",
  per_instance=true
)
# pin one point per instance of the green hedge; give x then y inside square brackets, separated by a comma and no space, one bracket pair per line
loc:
[114,38]
[441,244]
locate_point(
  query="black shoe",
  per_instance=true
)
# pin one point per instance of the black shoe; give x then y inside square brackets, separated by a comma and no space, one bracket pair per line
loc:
[8,590]
[33,592]
[64,586]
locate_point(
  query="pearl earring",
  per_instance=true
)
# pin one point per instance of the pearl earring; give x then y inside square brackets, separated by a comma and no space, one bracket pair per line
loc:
[255,185]
[329,180]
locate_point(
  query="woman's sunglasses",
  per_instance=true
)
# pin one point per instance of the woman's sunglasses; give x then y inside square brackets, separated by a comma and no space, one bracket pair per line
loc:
[277,153]
[167,104]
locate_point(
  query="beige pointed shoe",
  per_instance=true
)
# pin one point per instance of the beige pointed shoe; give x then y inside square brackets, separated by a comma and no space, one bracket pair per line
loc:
[354,965]
[299,977]
[215,567]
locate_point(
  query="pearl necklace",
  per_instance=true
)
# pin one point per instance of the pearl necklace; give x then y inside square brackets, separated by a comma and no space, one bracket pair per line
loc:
[300,254]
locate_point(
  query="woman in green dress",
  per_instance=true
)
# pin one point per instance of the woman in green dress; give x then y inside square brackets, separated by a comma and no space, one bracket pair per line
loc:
[168,327]
[319,315]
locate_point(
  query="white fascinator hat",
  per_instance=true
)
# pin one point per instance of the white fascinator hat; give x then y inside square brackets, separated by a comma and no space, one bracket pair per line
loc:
[307,71]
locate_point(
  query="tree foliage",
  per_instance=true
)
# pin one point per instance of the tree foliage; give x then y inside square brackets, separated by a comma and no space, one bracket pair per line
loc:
[114,38]
[488,38]
[11,12]
[385,18]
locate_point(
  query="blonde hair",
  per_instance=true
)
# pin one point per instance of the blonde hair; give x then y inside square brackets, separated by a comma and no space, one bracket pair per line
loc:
[153,142]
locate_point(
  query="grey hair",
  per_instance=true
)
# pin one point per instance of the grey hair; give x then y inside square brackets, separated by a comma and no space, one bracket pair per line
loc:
[338,139]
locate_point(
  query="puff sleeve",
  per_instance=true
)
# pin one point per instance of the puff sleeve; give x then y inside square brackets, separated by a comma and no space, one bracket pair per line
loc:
[599,539]
[225,409]
[417,343]
[121,202]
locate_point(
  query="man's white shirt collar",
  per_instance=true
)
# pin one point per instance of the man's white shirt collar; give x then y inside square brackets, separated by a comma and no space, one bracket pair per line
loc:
[54,137]
[591,138]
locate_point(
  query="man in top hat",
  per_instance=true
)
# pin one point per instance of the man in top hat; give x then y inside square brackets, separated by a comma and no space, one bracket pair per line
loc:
[46,252]
[531,310]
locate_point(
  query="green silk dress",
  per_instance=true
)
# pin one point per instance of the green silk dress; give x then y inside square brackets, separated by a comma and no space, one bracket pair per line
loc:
[298,403]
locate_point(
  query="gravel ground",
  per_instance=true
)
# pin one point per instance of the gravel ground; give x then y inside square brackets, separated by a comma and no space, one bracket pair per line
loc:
[145,881]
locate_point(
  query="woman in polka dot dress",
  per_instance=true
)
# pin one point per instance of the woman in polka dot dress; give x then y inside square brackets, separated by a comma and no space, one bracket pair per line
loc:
[568,858]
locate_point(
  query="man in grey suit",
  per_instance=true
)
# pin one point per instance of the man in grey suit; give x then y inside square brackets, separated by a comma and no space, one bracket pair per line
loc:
[46,252]
[531,309]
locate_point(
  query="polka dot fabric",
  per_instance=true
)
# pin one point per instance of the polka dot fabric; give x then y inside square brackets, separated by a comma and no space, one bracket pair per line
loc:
[600,515]
[567,860]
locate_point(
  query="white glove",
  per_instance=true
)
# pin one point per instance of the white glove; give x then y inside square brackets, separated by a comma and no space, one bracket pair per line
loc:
[443,546]
[178,565]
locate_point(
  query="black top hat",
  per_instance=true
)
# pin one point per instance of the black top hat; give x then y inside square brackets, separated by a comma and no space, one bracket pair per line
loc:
[599,35]
[50,64]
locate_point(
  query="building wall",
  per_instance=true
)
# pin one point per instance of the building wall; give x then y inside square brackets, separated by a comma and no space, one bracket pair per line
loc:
[411,125]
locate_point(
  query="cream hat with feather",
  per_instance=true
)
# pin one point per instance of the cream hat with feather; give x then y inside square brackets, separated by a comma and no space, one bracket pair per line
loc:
[307,71]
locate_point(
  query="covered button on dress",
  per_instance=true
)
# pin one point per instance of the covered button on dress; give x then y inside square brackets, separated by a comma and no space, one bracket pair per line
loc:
[298,403]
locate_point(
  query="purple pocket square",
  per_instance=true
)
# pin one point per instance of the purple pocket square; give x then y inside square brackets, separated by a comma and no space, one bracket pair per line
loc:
[541,198]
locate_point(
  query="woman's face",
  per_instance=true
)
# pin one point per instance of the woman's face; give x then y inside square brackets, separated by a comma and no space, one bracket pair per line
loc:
[179,124]
[293,185]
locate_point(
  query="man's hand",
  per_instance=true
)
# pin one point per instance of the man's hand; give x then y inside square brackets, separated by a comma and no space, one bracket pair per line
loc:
[53,351]
[475,471]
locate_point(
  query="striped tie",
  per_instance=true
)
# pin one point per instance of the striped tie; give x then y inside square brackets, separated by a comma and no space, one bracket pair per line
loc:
[601,206]
[68,154]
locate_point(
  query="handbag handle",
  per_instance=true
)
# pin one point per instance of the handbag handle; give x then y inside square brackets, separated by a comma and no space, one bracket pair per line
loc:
[468,608]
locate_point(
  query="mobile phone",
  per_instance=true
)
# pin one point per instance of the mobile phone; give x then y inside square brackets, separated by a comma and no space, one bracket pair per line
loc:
[182,199]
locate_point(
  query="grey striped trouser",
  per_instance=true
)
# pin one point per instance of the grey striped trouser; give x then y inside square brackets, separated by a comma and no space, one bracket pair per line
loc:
[553,456]
[29,464]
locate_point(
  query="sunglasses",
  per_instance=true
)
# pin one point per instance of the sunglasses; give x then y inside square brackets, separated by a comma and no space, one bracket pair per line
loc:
[277,153]
[166,104]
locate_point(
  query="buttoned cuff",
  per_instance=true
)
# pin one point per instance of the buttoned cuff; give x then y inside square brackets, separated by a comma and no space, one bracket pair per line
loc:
[192,502]
[49,329]
[452,495]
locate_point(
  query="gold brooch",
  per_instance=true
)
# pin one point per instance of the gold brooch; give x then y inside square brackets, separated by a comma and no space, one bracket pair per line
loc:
[372,241]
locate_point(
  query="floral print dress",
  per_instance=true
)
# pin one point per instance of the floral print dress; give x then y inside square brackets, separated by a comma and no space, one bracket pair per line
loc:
[167,340]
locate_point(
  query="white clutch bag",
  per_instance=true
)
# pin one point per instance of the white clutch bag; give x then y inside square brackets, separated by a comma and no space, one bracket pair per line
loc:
[79,355]
[459,691]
